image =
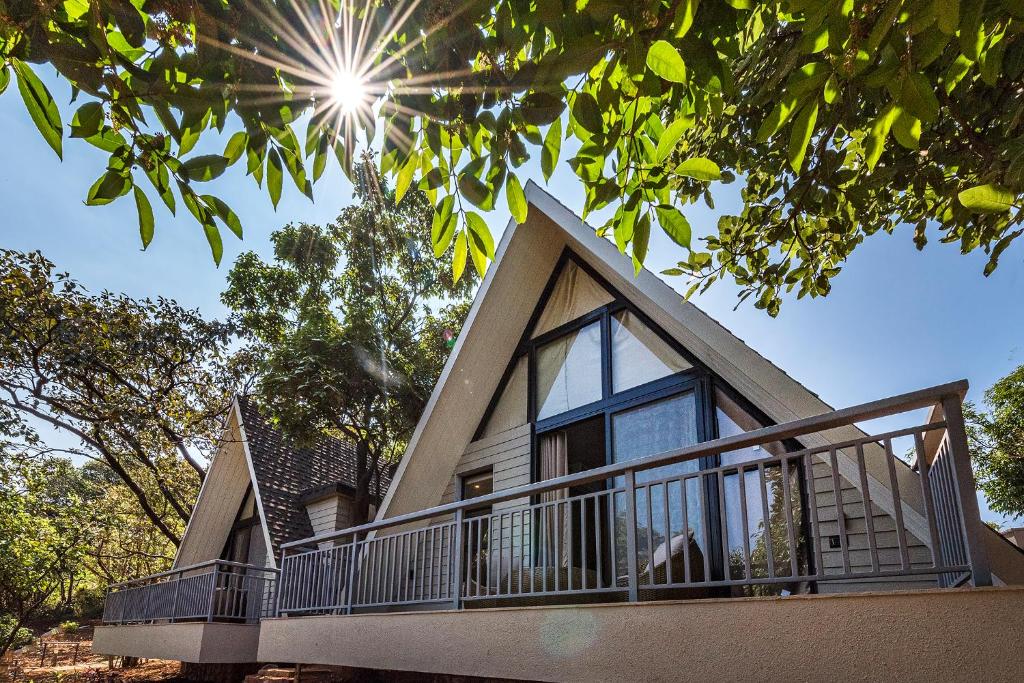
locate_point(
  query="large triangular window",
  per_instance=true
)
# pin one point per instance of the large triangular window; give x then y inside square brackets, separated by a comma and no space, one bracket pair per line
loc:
[574,294]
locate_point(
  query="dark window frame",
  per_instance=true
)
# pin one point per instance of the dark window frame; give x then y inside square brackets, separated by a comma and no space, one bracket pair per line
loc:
[699,378]
[241,523]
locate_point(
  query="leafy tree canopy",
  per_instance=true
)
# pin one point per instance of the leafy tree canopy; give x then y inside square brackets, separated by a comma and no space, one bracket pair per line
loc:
[141,385]
[842,118]
[997,444]
[350,325]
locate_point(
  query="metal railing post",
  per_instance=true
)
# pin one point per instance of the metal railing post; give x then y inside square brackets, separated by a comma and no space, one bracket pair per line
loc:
[350,586]
[279,585]
[970,515]
[174,602]
[457,571]
[213,591]
[631,568]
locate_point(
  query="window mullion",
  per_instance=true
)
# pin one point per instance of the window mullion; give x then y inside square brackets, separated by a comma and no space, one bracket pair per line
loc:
[606,356]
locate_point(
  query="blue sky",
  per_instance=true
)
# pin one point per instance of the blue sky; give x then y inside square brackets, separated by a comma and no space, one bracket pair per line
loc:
[896,320]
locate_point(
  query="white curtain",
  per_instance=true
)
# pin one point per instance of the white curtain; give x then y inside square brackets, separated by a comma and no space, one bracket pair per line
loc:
[554,462]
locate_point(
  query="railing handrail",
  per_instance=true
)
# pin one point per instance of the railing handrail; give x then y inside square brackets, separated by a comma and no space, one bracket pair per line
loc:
[193,567]
[837,418]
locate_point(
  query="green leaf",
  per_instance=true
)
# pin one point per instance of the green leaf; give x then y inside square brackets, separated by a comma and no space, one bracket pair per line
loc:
[225,213]
[552,148]
[107,188]
[87,121]
[800,135]
[906,128]
[641,236]
[442,228]
[587,113]
[948,15]
[831,89]
[675,225]
[989,198]
[480,234]
[405,176]
[213,238]
[459,260]
[275,176]
[40,104]
[877,135]
[918,97]
[145,216]
[699,168]
[475,191]
[777,118]
[236,146]
[665,61]
[541,108]
[516,199]
[204,167]
[5,78]
[670,138]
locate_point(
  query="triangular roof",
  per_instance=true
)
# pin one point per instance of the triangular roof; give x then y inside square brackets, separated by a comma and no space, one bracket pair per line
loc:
[281,474]
[508,294]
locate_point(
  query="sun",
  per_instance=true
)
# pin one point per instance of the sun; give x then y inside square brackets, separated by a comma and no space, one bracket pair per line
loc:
[348,91]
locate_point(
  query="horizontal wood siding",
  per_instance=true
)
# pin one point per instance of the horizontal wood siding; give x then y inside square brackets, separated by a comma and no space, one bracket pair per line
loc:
[886,538]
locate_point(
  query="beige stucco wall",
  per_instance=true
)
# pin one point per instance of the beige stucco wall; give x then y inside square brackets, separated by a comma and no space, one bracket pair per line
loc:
[913,636]
[189,642]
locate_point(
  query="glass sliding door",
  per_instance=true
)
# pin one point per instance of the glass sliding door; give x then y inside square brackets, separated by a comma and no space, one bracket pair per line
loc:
[671,515]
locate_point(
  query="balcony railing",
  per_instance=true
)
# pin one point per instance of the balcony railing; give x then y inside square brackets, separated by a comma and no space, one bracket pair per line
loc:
[210,591]
[775,516]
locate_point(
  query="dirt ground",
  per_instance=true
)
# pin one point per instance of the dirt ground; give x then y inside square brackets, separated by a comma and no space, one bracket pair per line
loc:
[90,669]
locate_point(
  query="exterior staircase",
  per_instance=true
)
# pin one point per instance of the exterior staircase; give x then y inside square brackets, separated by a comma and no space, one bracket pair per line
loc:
[273,673]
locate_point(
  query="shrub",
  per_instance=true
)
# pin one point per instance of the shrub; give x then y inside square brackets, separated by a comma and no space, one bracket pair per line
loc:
[69,627]
[21,637]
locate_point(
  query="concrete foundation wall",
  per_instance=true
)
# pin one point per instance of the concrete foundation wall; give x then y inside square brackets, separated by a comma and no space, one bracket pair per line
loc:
[191,642]
[911,636]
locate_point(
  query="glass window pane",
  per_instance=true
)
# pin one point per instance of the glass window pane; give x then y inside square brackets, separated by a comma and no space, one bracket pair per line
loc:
[733,420]
[569,372]
[639,355]
[574,295]
[510,410]
[652,428]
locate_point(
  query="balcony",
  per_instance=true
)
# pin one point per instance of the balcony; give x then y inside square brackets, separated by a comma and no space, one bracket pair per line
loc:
[207,612]
[657,566]
[653,529]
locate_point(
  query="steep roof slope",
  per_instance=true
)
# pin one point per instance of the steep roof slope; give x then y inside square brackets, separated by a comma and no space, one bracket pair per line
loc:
[284,472]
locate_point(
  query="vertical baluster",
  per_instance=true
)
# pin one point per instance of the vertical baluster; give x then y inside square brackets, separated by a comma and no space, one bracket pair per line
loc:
[790,527]
[598,555]
[744,521]
[868,508]
[812,499]
[649,493]
[705,514]
[840,513]
[666,520]
[723,523]
[631,569]
[687,570]
[929,504]
[566,517]
[583,541]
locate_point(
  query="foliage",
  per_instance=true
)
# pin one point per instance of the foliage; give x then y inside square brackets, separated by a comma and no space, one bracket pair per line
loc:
[141,385]
[997,444]
[844,118]
[42,535]
[11,632]
[69,627]
[348,322]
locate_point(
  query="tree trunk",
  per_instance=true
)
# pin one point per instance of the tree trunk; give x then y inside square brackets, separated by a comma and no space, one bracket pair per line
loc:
[364,475]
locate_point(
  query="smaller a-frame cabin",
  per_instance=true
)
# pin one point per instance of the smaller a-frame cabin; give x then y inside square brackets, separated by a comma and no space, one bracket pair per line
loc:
[259,493]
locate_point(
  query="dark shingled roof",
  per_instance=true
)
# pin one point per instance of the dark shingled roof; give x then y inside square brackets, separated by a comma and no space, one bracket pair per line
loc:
[284,473]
